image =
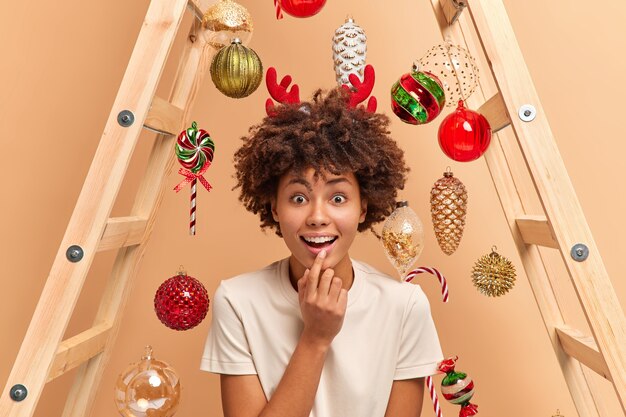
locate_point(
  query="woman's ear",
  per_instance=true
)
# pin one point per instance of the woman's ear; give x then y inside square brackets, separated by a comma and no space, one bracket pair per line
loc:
[274,212]
[363,210]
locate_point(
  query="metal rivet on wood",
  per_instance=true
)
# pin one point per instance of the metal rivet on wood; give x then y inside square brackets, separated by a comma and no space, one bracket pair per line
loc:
[125,118]
[18,392]
[74,253]
[579,252]
[527,112]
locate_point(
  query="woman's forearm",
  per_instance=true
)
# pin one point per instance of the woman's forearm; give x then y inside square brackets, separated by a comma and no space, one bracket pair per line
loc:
[296,390]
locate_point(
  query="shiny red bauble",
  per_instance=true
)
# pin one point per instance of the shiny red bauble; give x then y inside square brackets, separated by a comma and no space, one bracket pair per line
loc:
[302,8]
[181,302]
[464,135]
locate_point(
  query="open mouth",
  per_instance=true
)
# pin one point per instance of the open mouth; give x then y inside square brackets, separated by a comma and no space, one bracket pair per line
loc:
[319,242]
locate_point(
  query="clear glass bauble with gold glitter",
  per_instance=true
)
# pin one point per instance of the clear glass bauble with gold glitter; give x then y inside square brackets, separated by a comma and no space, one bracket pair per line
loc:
[455,67]
[403,238]
[493,274]
[224,21]
[148,388]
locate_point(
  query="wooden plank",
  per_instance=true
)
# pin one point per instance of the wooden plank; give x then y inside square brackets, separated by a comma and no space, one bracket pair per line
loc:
[584,349]
[495,112]
[163,117]
[93,208]
[517,193]
[78,349]
[452,9]
[557,194]
[122,231]
[536,230]
[193,65]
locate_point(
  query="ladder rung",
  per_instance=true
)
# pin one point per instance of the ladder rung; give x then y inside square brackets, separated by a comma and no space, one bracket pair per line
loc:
[452,9]
[198,7]
[584,349]
[495,111]
[78,349]
[122,231]
[164,117]
[536,230]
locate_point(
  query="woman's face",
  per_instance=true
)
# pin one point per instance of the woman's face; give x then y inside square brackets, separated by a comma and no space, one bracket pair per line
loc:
[318,214]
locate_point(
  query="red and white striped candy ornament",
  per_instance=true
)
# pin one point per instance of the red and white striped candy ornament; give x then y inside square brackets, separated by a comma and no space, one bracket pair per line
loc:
[194,150]
[457,387]
[444,293]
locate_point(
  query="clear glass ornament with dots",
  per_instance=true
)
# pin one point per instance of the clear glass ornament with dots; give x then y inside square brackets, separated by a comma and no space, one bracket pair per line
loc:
[456,69]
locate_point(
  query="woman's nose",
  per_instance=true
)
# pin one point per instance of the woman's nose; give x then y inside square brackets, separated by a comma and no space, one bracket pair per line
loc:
[318,215]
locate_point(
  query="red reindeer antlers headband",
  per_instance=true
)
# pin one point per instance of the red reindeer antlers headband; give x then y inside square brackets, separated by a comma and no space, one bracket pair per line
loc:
[279,92]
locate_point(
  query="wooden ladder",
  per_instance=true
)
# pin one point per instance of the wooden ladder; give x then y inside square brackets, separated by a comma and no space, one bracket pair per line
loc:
[525,165]
[524,162]
[43,356]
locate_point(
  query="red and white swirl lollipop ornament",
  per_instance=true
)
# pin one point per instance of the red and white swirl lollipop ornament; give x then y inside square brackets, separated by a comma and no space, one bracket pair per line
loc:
[194,150]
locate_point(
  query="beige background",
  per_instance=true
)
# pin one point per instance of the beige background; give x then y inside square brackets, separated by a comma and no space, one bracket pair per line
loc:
[62,62]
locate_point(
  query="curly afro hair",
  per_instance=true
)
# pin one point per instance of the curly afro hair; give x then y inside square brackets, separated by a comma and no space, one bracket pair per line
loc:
[328,136]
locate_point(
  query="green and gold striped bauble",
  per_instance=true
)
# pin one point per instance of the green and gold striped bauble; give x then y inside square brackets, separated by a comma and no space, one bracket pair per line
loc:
[417,97]
[236,70]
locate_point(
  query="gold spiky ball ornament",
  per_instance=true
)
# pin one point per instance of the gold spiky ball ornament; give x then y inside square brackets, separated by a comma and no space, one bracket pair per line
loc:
[493,274]
[448,207]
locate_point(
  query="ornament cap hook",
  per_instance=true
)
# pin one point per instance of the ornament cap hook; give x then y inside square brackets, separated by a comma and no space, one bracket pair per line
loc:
[494,248]
[402,203]
[147,354]
[235,40]
[181,270]
[448,173]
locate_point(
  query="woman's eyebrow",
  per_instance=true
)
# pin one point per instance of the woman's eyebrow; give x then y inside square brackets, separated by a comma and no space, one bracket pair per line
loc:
[302,181]
[338,180]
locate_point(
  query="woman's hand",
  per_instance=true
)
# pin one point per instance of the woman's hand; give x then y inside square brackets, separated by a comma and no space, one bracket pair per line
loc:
[323,303]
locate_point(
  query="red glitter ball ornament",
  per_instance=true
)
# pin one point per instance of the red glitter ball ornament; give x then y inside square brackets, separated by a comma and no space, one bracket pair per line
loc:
[464,135]
[302,8]
[181,302]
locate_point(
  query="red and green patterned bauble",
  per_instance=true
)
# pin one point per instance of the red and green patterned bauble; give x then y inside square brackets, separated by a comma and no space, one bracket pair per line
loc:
[417,97]
[464,135]
[181,302]
[302,8]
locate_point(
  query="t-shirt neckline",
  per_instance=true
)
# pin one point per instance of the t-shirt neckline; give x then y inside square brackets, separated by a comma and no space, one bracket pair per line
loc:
[292,295]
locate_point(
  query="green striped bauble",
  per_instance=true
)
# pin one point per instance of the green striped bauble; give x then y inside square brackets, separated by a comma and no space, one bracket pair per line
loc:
[236,70]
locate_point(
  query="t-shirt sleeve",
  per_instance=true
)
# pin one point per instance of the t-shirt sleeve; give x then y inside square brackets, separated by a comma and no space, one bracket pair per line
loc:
[420,351]
[226,350]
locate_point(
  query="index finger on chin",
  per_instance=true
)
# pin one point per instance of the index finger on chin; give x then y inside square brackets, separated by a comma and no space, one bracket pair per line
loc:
[314,273]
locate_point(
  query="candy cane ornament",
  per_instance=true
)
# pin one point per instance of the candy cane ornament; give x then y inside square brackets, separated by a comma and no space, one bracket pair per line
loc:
[435,272]
[433,396]
[444,292]
[279,12]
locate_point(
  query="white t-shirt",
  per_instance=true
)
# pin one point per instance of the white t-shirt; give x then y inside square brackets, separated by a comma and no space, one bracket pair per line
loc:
[387,334]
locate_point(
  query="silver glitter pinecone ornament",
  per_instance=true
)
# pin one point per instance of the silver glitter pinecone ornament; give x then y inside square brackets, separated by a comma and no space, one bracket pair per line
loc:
[349,51]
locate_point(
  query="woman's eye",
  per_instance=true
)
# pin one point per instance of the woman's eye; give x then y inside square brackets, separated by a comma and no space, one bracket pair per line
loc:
[298,199]
[338,199]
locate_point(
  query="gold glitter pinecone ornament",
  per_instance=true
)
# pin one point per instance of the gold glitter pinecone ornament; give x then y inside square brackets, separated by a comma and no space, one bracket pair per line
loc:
[448,207]
[493,274]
